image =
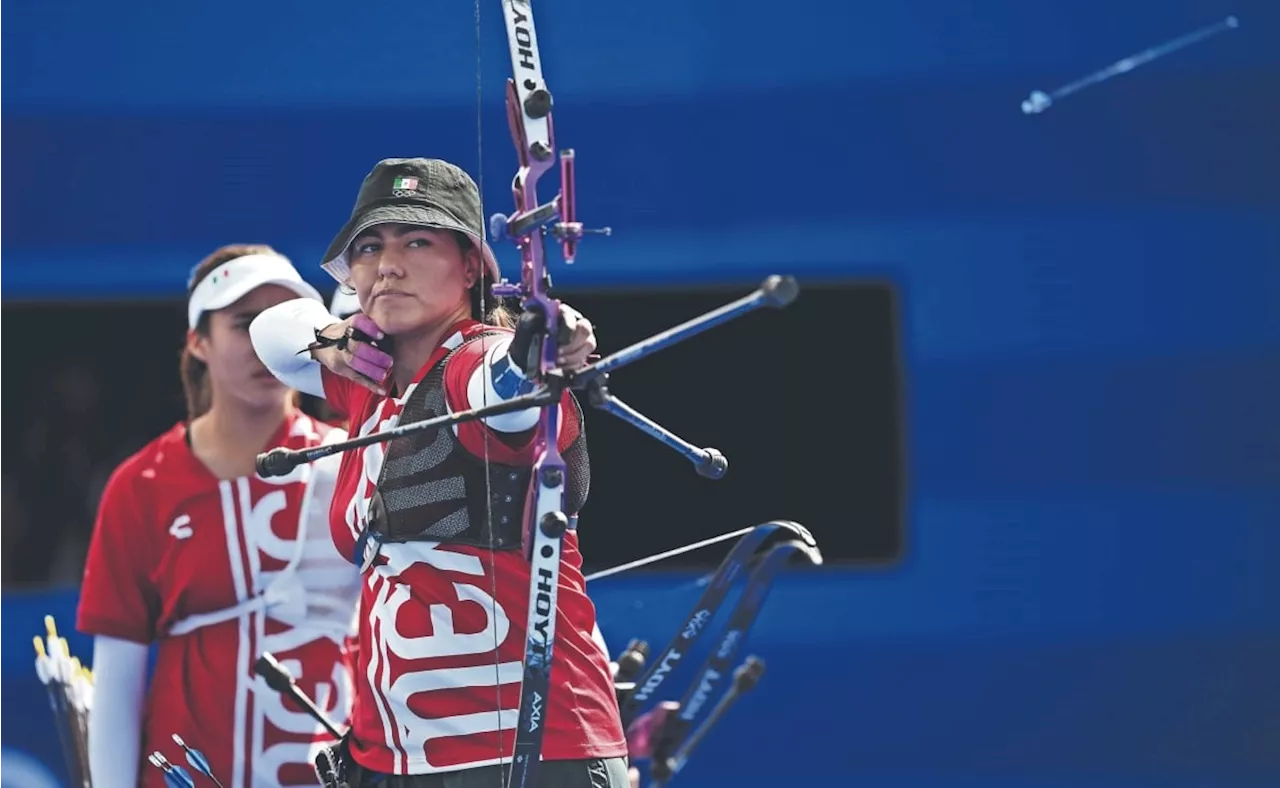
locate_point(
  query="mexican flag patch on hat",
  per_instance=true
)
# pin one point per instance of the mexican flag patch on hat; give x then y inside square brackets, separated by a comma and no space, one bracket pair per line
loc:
[408,184]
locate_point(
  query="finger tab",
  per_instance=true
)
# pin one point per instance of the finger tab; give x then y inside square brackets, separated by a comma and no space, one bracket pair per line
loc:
[367,369]
[365,324]
[372,355]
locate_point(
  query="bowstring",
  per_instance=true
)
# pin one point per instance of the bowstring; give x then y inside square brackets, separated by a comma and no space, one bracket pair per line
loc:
[484,397]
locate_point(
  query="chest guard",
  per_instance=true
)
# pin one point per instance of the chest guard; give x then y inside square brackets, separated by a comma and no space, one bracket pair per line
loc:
[432,489]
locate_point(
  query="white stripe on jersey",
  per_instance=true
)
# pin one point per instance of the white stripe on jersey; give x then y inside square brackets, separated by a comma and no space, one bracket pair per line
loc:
[242,649]
[253,532]
[231,522]
[377,656]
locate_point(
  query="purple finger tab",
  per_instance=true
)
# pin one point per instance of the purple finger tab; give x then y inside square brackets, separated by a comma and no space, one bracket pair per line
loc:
[371,371]
[366,325]
[644,731]
[371,355]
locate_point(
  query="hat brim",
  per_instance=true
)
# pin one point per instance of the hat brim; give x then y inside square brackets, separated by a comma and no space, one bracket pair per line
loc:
[337,264]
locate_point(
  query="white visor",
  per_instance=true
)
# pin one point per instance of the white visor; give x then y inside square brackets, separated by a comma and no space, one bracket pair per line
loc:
[234,279]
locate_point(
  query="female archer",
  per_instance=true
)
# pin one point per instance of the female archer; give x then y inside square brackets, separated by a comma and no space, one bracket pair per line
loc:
[194,553]
[435,519]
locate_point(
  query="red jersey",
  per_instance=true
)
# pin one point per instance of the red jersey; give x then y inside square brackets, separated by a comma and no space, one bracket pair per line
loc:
[442,626]
[218,572]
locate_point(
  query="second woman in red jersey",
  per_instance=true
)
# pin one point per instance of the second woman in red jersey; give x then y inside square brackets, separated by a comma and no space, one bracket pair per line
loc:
[195,555]
[445,598]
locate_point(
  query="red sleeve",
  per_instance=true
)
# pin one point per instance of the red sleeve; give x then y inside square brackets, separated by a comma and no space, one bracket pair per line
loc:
[337,391]
[117,597]
[504,447]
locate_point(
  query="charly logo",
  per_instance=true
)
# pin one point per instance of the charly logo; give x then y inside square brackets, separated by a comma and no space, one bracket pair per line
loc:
[181,528]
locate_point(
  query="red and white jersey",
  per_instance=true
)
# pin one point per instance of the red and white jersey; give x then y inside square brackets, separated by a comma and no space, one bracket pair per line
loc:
[217,572]
[442,629]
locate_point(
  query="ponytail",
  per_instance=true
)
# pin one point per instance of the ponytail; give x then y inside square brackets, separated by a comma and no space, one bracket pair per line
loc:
[496,311]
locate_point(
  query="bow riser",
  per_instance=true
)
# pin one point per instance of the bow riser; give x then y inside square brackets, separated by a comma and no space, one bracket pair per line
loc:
[529,115]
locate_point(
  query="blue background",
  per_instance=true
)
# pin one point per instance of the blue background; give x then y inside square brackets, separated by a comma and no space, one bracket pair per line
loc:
[1091,337]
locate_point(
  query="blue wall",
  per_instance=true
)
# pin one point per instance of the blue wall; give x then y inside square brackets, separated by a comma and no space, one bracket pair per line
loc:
[1091,340]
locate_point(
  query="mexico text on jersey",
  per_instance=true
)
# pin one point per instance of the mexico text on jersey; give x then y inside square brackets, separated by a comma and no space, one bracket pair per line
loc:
[442,625]
[216,572]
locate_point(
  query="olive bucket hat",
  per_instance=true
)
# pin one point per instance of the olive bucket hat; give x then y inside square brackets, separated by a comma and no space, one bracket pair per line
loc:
[425,192]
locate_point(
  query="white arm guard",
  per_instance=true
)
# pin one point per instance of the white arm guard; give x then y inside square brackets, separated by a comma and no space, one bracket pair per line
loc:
[503,381]
[115,726]
[280,337]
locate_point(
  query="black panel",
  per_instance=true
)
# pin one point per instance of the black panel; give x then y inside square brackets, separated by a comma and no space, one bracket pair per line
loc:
[804,402]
